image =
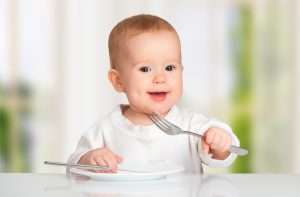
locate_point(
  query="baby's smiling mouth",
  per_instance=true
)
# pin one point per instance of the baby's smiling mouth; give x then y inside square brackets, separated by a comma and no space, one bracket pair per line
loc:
[158,96]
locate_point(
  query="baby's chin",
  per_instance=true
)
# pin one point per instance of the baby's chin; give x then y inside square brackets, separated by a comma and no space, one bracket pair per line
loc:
[158,110]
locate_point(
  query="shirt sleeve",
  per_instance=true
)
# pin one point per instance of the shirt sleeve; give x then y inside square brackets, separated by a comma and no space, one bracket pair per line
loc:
[201,128]
[91,139]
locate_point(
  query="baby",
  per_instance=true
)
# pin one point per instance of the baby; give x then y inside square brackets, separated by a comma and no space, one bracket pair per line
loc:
[146,65]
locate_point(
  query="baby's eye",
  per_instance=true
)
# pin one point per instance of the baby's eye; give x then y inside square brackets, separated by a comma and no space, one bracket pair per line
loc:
[145,69]
[170,68]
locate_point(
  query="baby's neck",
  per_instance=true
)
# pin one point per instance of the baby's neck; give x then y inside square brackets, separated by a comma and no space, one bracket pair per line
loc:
[135,117]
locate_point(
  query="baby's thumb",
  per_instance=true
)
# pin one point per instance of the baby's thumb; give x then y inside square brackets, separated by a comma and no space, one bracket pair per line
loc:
[205,147]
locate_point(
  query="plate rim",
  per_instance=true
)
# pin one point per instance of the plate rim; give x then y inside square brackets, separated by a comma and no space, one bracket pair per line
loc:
[129,176]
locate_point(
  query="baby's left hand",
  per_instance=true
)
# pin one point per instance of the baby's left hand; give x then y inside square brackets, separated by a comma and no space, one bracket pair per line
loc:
[216,141]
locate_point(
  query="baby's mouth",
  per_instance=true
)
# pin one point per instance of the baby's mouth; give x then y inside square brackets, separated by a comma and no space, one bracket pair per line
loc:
[158,96]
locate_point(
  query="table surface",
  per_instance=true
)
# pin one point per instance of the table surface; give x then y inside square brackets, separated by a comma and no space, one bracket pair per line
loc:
[181,185]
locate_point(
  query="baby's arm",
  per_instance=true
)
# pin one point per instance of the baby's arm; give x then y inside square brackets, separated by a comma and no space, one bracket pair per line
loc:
[216,141]
[103,157]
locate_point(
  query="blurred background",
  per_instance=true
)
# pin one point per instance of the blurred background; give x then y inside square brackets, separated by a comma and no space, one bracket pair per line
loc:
[241,63]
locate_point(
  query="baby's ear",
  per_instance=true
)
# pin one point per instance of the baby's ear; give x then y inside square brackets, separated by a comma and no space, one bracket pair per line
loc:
[114,78]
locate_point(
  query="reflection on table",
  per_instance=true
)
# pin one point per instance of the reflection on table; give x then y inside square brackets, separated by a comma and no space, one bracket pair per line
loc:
[178,185]
[181,185]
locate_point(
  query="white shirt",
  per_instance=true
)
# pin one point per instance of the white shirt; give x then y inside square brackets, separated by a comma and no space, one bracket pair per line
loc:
[148,143]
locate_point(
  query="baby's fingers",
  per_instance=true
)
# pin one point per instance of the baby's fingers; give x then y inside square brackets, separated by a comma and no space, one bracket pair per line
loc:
[209,136]
[215,144]
[111,162]
[205,147]
[225,142]
[100,162]
[227,145]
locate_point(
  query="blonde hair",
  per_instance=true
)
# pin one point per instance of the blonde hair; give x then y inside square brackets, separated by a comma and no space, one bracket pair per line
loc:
[132,26]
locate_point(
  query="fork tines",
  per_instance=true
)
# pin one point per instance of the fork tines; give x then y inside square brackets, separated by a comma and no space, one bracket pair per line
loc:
[159,121]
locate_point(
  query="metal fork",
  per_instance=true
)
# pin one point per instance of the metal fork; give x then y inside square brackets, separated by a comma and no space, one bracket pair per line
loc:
[171,129]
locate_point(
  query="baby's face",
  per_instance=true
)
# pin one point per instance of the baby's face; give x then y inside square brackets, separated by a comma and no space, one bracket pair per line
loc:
[151,71]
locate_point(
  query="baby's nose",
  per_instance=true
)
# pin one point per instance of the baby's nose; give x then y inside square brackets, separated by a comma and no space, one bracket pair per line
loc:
[159,78]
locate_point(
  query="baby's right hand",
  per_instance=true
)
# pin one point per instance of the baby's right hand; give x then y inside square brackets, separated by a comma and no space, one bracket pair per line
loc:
[102,157]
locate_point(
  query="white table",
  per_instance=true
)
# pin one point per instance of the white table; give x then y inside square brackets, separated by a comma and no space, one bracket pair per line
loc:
[181,185]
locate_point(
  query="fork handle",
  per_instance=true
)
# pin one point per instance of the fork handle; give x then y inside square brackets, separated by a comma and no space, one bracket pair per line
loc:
[233,149]
[238,150]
